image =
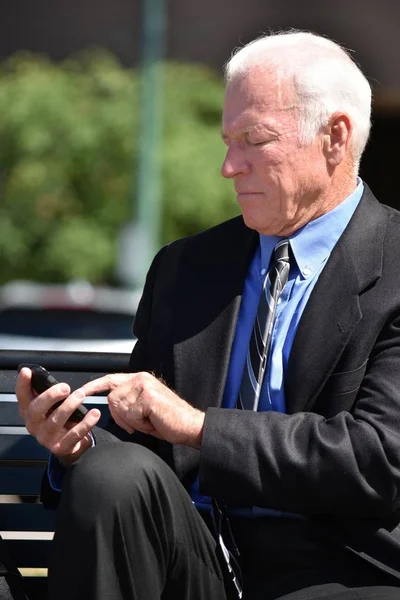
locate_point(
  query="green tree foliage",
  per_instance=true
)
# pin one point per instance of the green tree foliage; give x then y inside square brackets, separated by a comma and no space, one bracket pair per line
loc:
[68,160]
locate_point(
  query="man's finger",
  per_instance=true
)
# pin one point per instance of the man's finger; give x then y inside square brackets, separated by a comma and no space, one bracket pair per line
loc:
[23,388]
[77,433]
[122,423]
[106,383]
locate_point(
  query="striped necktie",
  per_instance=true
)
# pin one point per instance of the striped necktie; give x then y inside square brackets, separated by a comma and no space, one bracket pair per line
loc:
[260,340]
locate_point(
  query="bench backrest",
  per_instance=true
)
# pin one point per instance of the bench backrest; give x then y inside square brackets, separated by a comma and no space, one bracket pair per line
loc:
[23,521]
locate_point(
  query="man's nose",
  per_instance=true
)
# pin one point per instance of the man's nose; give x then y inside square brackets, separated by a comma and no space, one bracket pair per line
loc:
[234,163]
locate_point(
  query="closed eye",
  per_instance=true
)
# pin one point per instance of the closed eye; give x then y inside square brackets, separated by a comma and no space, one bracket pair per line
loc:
[262,142]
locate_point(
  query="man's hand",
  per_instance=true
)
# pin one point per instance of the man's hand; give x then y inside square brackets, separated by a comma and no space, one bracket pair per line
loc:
[51,429]
[141,401]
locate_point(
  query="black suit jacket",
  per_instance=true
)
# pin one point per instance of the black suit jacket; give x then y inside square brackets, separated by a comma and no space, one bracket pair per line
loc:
[335,455]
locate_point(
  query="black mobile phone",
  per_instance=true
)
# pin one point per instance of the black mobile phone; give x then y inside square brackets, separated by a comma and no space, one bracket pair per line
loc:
[42,380]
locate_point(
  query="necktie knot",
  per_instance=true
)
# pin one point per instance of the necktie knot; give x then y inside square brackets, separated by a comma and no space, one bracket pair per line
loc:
[279,273]
[281,251]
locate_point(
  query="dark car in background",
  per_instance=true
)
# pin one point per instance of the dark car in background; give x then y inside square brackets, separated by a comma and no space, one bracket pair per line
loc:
[76,317]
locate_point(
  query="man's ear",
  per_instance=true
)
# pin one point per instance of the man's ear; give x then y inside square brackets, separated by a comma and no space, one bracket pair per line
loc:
[337,138]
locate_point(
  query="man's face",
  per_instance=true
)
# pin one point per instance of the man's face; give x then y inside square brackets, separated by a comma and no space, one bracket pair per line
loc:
[280,184]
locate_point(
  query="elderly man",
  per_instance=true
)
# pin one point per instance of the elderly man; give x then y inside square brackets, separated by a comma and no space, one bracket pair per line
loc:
[266,374]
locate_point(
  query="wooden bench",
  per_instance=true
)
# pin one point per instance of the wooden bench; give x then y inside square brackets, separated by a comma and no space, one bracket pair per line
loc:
[24,523]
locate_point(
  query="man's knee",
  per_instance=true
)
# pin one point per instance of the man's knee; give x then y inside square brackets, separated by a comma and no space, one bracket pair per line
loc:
[113,473]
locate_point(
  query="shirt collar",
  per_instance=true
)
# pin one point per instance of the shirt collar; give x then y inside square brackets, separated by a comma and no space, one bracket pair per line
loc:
[312,244]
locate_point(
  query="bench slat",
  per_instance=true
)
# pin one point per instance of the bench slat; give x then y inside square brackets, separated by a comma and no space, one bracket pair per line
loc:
[30,553]
[20,446]
[9,415]
[52,360]
[21,481]
[75,380]
[26,517]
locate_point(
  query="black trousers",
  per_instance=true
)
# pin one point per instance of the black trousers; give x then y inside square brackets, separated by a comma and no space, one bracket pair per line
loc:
[126,529]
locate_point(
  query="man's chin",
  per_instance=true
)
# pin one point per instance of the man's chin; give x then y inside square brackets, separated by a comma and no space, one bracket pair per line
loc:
[263,226]
[255,223]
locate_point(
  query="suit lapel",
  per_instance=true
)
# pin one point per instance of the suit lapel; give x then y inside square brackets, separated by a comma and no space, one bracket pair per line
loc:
[333,309]
[211,285]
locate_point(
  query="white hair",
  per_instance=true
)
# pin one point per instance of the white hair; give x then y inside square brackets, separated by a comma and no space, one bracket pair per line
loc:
[325,79]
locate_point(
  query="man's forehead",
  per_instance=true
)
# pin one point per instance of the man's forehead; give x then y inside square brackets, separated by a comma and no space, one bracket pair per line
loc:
[247,123]
[240,118]
[257,93]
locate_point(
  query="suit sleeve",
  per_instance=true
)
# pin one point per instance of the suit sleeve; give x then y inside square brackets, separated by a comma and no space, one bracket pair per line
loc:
[346,466]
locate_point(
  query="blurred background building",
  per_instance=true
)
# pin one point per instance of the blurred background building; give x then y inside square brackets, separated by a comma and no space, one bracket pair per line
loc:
[203,31]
